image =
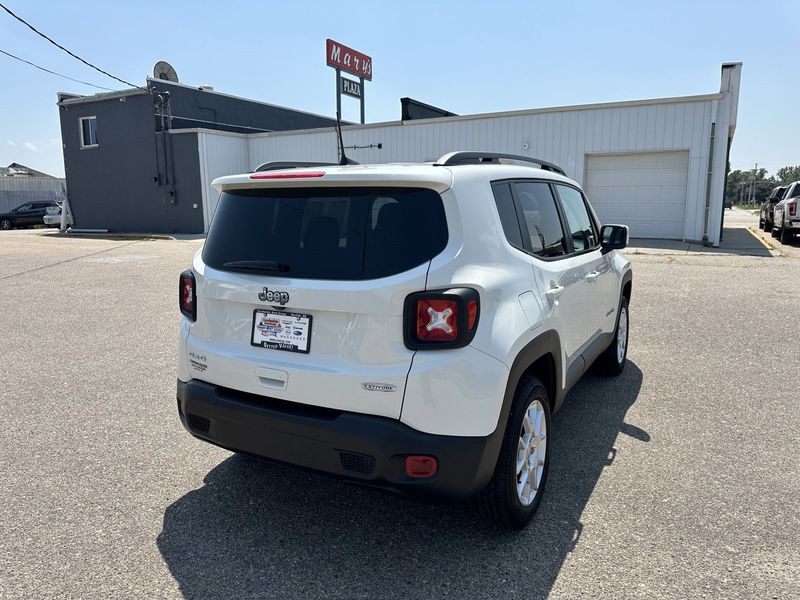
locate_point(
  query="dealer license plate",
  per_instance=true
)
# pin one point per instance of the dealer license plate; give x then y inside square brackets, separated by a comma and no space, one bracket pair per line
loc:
[281,330]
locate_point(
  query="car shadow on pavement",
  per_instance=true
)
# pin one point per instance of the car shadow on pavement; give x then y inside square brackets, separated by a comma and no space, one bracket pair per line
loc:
[260,530]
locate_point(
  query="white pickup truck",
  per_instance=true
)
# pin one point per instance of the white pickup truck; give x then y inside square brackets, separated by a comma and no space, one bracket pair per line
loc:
[786,219]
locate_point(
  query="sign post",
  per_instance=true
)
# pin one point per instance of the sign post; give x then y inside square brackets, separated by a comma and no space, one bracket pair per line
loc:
[361,79]
[338,93]
[342,58]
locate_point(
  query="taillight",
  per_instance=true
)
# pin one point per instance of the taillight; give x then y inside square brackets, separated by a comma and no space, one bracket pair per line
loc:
[792,208]
[472,314]
[437,320]
[441,319]
[187,295]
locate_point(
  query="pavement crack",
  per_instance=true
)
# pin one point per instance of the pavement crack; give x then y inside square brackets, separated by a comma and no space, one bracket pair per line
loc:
[61,262]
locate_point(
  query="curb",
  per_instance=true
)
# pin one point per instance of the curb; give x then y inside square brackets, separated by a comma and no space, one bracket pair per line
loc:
[757,233]
[114,236]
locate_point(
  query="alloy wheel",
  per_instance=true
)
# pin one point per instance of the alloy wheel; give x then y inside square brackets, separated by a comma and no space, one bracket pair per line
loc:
[622,334]
[531,452]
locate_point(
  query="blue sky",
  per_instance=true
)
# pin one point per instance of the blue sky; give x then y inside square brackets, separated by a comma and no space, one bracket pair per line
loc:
[467,57]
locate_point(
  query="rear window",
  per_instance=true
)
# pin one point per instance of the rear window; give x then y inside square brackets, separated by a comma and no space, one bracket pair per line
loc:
[326,233]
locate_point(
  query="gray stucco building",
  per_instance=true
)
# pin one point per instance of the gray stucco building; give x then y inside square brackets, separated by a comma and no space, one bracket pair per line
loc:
[126,168]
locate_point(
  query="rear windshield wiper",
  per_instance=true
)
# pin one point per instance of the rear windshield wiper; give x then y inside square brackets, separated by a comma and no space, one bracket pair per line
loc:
[257,265]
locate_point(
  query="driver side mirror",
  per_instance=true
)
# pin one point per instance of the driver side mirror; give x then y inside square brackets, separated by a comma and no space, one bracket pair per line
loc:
[613,237]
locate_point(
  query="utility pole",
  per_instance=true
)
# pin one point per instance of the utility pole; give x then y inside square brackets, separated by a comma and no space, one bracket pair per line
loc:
[753,185]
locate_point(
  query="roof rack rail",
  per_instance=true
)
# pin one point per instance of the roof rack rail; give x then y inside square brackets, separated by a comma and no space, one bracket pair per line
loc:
[274,166]
[474,158]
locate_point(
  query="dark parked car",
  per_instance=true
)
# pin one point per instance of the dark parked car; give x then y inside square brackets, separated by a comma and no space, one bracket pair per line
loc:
[26,215]
[766,220]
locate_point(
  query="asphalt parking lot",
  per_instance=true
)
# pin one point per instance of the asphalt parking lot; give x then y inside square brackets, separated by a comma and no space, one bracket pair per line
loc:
[679,479]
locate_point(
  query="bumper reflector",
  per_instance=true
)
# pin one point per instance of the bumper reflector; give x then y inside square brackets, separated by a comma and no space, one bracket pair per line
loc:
[421,466]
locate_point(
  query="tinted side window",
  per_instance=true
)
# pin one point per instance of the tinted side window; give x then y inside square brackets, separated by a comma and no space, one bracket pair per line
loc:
[579,223]
[508,214]
[542,224]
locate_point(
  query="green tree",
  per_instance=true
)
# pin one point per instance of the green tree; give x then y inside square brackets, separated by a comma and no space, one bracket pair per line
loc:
[788,175]
[735,179]
[740,184]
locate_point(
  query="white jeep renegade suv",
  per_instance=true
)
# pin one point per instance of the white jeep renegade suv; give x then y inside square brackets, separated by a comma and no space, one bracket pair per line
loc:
[407,326]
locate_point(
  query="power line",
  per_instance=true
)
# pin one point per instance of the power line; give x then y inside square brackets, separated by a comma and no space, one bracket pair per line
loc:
[216,123]
[57,45]
[54,73]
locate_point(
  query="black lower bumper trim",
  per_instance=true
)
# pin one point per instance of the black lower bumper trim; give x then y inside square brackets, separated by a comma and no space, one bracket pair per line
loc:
[368,449]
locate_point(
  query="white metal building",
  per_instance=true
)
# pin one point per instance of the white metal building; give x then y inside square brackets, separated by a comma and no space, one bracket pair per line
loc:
[657,165]
[19,190]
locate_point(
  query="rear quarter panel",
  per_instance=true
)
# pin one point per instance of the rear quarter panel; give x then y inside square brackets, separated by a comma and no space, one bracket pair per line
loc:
[460,392]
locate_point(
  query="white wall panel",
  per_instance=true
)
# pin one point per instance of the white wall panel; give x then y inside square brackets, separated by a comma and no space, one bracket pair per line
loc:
[564,136]
[19,190]
[220,154]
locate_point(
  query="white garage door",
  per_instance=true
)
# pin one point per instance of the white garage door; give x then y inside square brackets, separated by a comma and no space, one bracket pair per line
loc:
[646,191]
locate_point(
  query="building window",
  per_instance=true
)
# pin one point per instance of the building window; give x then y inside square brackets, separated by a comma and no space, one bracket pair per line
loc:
[88,132]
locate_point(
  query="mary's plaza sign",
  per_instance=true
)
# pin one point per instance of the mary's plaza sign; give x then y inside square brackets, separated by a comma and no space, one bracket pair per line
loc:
[351,61]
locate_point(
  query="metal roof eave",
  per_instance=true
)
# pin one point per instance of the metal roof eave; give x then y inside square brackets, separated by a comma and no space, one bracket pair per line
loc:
[511,113]
[99,97]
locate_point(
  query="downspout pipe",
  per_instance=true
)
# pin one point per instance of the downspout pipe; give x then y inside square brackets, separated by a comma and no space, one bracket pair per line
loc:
[706,241]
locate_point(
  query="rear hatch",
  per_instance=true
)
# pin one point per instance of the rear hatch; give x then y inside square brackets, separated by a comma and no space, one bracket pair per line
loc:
[300,292]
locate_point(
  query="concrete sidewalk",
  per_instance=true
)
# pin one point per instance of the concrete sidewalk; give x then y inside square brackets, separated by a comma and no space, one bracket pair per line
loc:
[735,240]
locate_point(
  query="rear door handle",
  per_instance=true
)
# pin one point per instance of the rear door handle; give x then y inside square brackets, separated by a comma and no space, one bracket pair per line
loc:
[593,275]
[554,292]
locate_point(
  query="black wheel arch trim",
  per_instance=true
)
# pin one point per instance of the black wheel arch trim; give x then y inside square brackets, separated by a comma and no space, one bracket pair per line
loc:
[627,278]
[546,343]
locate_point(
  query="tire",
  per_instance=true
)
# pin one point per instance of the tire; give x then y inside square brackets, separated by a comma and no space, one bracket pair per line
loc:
[6,224]
[500,502]
[611,362]
[784,236]
[762,224]
[773,232]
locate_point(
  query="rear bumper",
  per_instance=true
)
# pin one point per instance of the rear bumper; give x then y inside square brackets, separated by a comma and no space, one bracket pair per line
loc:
[55,220]
[366,449]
